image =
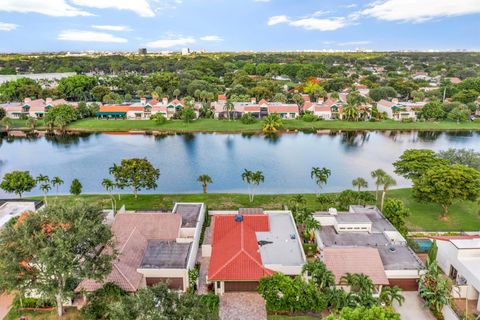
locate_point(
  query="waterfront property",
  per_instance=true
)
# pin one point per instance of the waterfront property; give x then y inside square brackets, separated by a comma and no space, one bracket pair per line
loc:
[32,108]
[459,259]
[367,238]
[259,110]
[154,247]
[249,244]
[400,110]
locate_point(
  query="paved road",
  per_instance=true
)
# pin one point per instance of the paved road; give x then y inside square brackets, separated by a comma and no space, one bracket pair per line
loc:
[5,302]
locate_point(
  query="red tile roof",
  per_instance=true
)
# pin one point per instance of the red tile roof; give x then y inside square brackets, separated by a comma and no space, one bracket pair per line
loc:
[283,108]
[113,108]
[235,252]
[355,260]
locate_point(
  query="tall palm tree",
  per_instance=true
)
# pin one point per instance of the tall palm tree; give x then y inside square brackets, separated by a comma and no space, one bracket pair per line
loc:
[204,179]
[377,175]
[109,185]
[42,179]
[57,182]
[45,187]
[358,282]
[253,179]
[351,112]
[229,107]
[320,176]
[318,273]
[272,123]
[387,182]
[391,294]
[359,183]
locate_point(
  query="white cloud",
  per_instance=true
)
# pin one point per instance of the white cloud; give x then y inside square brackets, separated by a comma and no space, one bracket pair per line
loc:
[140,7]
[212,38]
[112,28]
[5,26]
[419,11]
[54,8]
[169,43]
[277,20]
[90,36]
[327,24]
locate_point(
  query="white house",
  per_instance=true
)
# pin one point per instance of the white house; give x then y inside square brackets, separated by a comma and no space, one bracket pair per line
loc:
[459,258]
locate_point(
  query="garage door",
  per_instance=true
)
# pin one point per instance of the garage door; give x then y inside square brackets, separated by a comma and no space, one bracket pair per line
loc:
[173,283]
[241,286]
[405,284]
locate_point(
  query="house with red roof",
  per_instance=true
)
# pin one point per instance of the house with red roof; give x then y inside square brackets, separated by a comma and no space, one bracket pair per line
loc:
[249,244]
[398,111]
[259,110]
[33,108]
[327,110]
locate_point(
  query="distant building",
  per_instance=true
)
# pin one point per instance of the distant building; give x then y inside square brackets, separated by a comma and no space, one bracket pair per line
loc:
[45,79]
[186,51]
[142,51]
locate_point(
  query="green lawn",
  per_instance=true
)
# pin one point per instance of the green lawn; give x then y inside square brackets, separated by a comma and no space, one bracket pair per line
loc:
[211,125]
[425,217]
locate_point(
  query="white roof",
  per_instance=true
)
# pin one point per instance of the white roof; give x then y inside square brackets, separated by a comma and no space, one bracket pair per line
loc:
[467,243]
[11,209]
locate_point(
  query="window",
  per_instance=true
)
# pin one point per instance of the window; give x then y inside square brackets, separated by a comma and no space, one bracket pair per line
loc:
[453,273]
[219,285]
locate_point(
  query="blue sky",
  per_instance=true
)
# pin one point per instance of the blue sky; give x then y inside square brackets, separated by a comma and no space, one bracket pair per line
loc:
[235,25]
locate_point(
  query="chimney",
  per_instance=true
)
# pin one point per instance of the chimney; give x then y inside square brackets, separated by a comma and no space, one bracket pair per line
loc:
[332,211]
[165,100]
[48,101]
[27,100]
[253,100]
[320,100]
[143,100]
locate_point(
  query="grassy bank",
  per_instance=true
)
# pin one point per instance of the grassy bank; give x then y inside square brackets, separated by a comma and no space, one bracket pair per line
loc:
[211,125]
[464,215]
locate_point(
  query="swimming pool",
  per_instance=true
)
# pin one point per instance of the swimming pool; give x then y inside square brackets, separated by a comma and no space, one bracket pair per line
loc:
[423,245]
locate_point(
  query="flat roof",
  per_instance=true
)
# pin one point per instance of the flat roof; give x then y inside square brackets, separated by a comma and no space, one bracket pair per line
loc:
[402,258]
[277,246]
[13,208]
[189,213]
[466,243]
[353,218]
[168,254]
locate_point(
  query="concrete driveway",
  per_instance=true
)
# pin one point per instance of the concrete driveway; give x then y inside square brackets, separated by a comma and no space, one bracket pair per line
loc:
[5,303]
[413,307]
[242,306]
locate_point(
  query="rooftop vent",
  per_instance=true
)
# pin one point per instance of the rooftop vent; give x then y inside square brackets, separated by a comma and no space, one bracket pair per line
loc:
[293,236]
[392,248]
[239,218]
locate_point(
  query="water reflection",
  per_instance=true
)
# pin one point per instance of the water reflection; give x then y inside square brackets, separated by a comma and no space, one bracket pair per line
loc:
[285,159]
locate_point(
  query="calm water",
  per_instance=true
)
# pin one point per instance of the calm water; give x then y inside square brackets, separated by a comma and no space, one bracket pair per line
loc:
[285,161]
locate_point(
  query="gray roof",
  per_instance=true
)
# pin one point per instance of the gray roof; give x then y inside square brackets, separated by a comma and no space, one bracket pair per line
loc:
[281,244]
[189,213]
[394,257]
[353,218]
[165,254]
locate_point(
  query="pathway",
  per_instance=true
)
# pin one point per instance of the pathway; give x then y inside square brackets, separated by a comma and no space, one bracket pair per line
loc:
[242,306]
[413,307]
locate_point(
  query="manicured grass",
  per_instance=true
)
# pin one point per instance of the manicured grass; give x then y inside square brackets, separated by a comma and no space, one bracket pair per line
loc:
[70,314]
[464,215]
[210,125]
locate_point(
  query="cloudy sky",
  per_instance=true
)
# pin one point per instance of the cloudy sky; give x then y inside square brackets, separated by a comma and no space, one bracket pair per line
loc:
[234,25]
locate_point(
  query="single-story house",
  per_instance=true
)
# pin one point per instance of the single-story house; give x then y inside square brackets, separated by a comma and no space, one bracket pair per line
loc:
[364,227]
[154,247]
[11,208]
[249,244]
[400,110]
[32,108]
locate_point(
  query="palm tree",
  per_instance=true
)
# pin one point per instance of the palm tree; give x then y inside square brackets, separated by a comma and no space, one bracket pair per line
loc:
[204,179]
[253,179]
[42,179]
[229,107]
[359,183]
[378,175]
[320,175]
[391,294]
[57,182]
[387,182]
[272,123]
[31,122]
[358,282]
[6,122]
[318,273]
[45,187]
[109,185]
[351,112]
